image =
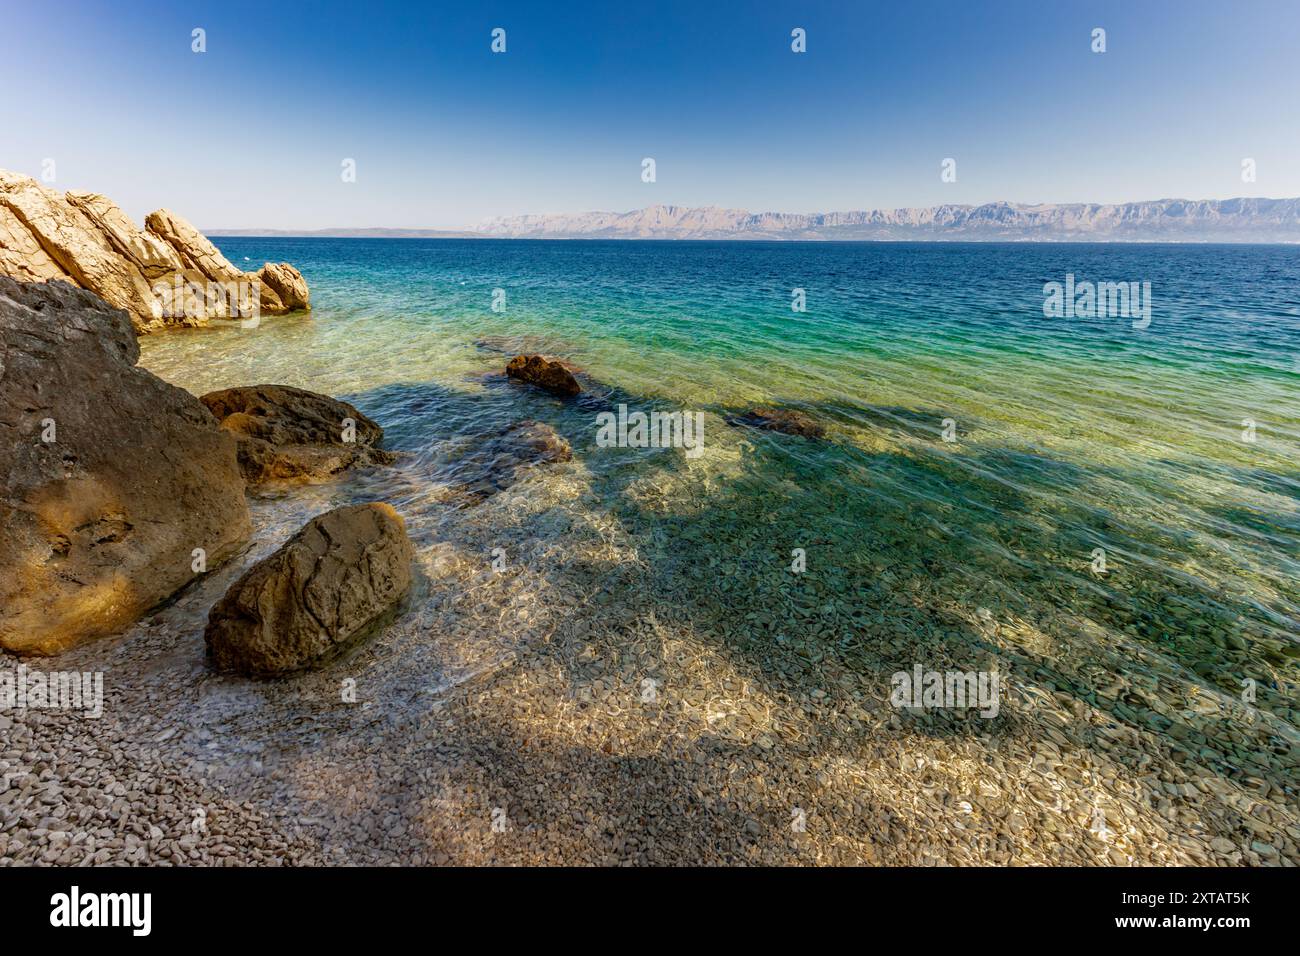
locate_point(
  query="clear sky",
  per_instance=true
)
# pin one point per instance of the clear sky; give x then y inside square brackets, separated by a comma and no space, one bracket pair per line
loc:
[444,132]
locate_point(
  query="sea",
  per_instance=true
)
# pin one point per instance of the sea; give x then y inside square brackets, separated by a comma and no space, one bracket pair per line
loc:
[1100,501]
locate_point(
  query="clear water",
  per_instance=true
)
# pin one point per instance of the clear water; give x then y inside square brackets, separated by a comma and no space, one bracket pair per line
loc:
[1072,435]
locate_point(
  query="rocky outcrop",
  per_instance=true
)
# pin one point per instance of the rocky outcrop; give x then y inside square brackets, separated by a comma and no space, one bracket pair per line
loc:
[151,254]
[167,274]
[293,435]
[786,420]
[325,589]
[77,248]
[546,373]
[116,489]
[498,461]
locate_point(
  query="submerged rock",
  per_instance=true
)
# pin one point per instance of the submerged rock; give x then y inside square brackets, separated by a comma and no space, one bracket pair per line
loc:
[322,591]
[503,459]
[116,489]
[85,239]
[786,420]
[293,435]
[526,344]
[546,373]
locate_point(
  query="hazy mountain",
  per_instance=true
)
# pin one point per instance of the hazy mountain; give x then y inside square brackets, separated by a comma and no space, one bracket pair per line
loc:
[1177,220]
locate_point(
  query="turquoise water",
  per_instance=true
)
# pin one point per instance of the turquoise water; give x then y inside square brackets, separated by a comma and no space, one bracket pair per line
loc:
[1071,435]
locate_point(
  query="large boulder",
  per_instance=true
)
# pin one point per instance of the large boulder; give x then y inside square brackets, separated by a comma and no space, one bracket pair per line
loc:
[116,489]
[551,375]
[167,274]
[329,586]
[292,435]
[283,288]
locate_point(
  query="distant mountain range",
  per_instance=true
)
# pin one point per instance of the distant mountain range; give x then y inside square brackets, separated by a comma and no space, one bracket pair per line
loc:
[1178,220]
[1160,220]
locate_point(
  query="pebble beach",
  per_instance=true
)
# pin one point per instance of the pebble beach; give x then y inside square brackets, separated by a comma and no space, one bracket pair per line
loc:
[571,716]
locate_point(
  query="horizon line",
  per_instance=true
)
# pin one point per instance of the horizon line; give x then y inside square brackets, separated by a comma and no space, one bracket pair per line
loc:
[1073,240]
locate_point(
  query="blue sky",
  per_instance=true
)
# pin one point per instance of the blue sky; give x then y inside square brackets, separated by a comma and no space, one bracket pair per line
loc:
[444,132]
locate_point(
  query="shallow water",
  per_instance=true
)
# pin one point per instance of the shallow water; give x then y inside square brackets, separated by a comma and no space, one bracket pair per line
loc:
[1071,435]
